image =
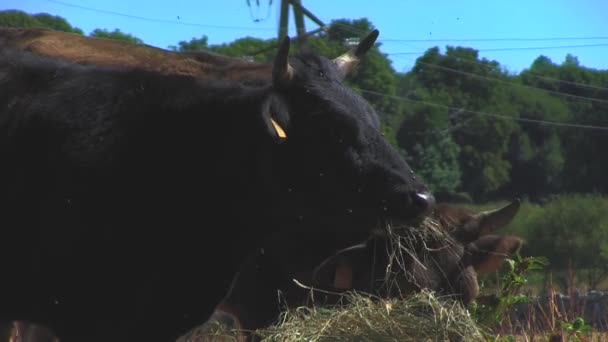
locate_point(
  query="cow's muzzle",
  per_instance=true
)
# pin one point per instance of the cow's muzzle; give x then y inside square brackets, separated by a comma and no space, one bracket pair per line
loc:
[423,202]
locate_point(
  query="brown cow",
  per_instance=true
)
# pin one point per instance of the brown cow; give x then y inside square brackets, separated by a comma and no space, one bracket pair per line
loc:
[447,261]
[83,50]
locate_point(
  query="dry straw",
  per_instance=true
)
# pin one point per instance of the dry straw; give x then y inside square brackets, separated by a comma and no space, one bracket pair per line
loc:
[420,317]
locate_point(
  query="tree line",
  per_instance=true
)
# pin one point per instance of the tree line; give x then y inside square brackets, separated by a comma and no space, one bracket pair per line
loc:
[469,127]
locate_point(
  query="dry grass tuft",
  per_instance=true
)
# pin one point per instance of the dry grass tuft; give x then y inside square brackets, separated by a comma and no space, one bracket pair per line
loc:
[420,317]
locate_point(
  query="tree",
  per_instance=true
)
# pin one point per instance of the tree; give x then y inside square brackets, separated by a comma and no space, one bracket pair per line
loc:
[536,153]
[15,18]
[117,34]
[245,48]
[56,22]
[573,228]
[195,44]
[584,162]
[458,80]
[425,140]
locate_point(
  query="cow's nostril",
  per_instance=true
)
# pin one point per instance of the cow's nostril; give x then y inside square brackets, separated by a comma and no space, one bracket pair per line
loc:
[423,200]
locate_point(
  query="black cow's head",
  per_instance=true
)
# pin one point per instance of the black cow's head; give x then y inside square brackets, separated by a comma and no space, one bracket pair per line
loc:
[449,266]
[332,144]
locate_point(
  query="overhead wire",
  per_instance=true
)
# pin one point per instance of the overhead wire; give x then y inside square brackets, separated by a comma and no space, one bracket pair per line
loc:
[157,20]
[492,39]
[513,49]
[554,123]
[528,74]
[554,92]
[358,31]
[502,116]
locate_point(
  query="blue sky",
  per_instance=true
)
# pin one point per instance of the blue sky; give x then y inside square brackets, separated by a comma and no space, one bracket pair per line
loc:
[425,21]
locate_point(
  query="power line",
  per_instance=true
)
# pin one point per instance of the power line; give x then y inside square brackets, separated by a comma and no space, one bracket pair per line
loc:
[352,29]
[165,21]
[403,41]
[493,39]
[433,104]
[566,82]
[358,31]
[413,40]
[529,74]
[515,48]
[520,119]
[513,84]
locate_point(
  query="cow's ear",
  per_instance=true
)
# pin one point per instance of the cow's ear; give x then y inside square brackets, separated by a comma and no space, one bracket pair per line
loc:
[489,252]
[493,220]
[338,271]
[485,222]
[275,115]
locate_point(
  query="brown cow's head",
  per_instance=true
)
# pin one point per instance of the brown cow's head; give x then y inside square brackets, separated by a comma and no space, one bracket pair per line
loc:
[448,259]
[458,245]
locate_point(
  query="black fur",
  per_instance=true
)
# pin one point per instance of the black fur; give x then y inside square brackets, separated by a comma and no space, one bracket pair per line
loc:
[131,197]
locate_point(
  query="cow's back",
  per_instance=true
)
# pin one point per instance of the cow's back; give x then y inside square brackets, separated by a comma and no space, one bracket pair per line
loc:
[104,168]
[83,50]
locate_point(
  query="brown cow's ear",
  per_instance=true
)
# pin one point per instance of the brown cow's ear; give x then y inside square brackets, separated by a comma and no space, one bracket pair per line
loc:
[489,252]
[472,226]
[493,220]
[337,271]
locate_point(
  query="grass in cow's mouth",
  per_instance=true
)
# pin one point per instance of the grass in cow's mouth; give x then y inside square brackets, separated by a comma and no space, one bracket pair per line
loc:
[408,247]
[421,317]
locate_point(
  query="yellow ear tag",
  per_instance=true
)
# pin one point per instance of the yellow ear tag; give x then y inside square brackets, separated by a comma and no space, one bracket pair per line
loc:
[278,129]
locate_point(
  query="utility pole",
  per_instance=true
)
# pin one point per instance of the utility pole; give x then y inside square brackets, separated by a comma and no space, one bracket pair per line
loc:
[299,12]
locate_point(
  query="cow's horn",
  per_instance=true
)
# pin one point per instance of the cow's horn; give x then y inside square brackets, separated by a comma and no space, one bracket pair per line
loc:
[281,70]
[347,62]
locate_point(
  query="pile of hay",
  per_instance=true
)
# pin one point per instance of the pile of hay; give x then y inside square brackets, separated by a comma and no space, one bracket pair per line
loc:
[421,317]
[213,332]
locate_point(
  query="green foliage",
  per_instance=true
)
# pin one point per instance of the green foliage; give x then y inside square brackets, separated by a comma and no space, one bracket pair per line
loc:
[15,18]
[195,44]
[584,162]
[513,278]
[342,29]
[578,330]
[445,80]
[570,227]
[241,48]
[432,153]
[116,35]
[246,47]
[56,22]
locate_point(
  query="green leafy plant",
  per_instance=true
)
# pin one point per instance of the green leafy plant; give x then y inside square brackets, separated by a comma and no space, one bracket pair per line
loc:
[578,330]
[490,310]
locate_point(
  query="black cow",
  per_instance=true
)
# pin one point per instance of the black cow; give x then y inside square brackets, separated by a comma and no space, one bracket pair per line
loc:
[131,197]
[449,265]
